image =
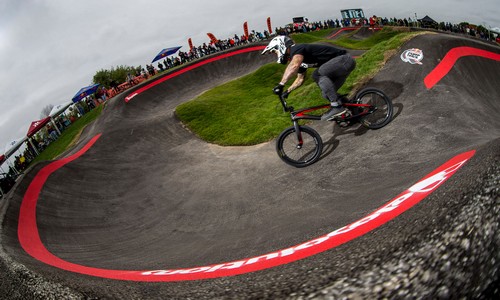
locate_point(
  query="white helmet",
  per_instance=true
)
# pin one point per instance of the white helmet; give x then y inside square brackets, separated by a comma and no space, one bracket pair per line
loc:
[279,45]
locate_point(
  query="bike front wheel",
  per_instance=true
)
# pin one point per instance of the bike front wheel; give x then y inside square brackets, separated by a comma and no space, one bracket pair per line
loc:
[299,149]
[380,111]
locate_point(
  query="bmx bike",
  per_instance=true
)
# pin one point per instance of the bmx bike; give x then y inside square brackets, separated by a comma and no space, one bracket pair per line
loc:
[301,145]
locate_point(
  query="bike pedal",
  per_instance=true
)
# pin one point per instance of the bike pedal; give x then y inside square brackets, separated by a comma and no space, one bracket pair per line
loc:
[346,115]
[343,124]
[342,119]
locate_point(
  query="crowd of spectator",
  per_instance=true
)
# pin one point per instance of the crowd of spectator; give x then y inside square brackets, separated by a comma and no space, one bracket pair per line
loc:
[221,45]
[468,29]
[209,48]
[464,28]
[21,162]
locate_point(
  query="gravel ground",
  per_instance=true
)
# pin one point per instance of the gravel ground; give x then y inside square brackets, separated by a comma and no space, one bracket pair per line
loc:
[460,263]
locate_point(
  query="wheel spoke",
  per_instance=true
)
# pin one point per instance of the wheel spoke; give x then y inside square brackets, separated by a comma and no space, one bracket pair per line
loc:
[289,150]
[382,112]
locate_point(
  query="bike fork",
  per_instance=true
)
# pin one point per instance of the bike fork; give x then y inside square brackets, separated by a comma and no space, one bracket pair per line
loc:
[298,133]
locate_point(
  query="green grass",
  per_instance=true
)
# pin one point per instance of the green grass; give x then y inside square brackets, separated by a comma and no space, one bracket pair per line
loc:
[246,112]
[68,137]
[228,114]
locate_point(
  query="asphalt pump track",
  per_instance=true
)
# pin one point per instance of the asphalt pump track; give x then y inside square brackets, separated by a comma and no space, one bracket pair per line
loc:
[141,208]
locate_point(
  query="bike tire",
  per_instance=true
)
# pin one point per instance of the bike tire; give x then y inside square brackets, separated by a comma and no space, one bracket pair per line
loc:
[382,115]
[307,154]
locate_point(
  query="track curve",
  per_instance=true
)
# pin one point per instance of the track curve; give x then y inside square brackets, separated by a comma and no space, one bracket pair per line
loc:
[147,195]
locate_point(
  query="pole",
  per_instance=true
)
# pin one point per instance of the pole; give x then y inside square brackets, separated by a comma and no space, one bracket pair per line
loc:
[1,191]
[33,146]
[55,125]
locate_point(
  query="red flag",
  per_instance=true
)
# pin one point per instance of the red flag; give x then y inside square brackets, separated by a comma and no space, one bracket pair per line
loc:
[245,28]
[213,38]
[190,42]
[269,25]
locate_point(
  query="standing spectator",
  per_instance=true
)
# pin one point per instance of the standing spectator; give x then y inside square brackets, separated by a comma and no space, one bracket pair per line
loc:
[101,95]
[52,133]
[144,74]
[114,85]
[104,93]
[130,79]
[373,21]
[90,103]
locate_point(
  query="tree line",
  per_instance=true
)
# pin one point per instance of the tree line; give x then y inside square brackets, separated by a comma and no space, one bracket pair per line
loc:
[117,75]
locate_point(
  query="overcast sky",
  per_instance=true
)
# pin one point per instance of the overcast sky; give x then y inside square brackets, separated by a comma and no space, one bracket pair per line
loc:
[49,49]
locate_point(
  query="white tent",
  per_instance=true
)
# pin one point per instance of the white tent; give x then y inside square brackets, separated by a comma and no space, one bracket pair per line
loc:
[58,109]
[495,30]
[11,148]
[13,145]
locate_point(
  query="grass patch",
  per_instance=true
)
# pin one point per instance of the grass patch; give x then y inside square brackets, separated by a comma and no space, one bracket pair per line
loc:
[246,112]
[229,114]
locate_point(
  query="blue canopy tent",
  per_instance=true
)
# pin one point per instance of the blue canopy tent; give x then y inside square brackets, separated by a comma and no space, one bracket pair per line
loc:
[166,52]
[84,92]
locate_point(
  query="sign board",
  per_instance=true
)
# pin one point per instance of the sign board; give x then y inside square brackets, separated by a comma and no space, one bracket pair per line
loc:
[298,20]
[354,13]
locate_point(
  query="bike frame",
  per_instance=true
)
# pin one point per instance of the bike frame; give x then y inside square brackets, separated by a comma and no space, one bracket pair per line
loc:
[303,114]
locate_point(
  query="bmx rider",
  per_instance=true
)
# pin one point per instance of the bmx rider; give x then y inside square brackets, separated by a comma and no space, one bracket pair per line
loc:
[333,67]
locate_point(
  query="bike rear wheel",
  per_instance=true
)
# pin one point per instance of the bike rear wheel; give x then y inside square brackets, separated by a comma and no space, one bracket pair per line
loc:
[290,150]
[381,110]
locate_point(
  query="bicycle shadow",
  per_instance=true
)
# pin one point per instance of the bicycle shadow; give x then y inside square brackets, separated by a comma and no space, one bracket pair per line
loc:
[332,143]
[393,90]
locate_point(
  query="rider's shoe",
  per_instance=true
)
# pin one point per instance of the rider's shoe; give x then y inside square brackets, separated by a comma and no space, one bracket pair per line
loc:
[333,112]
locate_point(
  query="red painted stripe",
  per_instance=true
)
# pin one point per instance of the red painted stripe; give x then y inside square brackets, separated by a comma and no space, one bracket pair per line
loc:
[342,30]
[191,67]
[451,58]
[30,240]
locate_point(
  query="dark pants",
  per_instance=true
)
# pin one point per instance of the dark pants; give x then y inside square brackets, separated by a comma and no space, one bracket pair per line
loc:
[331,76]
